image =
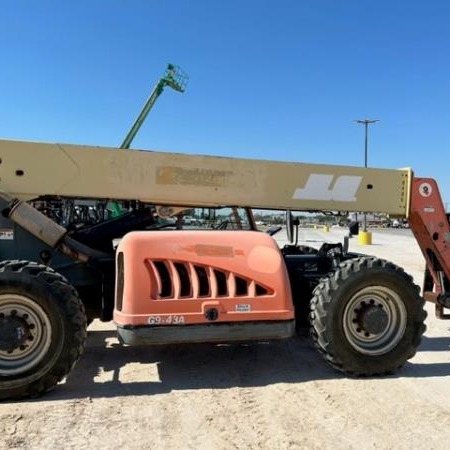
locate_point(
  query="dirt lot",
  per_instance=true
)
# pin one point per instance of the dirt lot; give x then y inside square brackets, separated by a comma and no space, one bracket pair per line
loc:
[273,396]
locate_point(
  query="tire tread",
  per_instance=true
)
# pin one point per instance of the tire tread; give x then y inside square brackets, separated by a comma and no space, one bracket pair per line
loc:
[320,306]
[71,307]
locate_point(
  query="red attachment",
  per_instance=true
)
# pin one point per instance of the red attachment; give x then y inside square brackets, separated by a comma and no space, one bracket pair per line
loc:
[430,225]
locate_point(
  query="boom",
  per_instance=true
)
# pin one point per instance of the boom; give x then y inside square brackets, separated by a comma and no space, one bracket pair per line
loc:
[195,180]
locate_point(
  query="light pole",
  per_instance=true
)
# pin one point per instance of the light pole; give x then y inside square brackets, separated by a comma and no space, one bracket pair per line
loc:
[366,123]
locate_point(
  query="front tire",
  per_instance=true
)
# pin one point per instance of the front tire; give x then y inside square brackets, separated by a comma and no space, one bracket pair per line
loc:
[367,317]
[42,329]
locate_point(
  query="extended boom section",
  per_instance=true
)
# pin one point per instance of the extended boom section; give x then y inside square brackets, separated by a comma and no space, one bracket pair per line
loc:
[29,170]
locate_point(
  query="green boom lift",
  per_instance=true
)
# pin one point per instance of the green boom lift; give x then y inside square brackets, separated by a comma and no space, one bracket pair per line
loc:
[173,77]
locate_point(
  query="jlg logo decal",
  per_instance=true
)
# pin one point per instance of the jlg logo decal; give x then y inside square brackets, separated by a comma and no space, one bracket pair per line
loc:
[320,186]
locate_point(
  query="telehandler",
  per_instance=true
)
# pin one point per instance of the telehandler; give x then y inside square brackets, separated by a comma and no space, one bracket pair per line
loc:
[66,260]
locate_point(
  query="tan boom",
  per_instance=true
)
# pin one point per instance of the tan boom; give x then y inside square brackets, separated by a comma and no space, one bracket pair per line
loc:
[29,170]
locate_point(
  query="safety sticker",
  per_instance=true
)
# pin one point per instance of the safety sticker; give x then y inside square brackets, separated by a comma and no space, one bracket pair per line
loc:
[242,307]
[425,189]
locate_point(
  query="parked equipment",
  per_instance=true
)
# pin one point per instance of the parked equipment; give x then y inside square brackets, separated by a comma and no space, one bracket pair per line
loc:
[60,266]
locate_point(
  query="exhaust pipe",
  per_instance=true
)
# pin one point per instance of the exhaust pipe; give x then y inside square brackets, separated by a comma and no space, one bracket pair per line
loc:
[45,229]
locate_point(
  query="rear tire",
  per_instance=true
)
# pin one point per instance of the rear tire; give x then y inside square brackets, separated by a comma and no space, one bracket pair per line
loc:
[42,329]
[367,317]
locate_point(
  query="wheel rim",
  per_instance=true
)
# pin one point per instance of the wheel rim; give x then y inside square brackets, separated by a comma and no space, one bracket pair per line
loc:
[28,330]
[374,320]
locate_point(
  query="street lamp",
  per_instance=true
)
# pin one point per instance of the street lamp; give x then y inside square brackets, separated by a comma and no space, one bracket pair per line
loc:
[366,123]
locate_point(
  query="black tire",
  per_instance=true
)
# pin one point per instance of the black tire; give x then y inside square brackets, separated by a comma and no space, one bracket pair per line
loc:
[367,317]
[42,329]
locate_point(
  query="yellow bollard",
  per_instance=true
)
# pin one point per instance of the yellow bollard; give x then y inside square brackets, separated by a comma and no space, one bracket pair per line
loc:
[365,238]
[326,228]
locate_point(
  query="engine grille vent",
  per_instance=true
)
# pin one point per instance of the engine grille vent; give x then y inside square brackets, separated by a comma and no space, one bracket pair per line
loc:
[183,280]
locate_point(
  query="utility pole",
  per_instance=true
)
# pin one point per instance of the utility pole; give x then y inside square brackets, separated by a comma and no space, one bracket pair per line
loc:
[366,123]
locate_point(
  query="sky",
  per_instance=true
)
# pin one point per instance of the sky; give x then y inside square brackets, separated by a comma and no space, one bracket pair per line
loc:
[278,80]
